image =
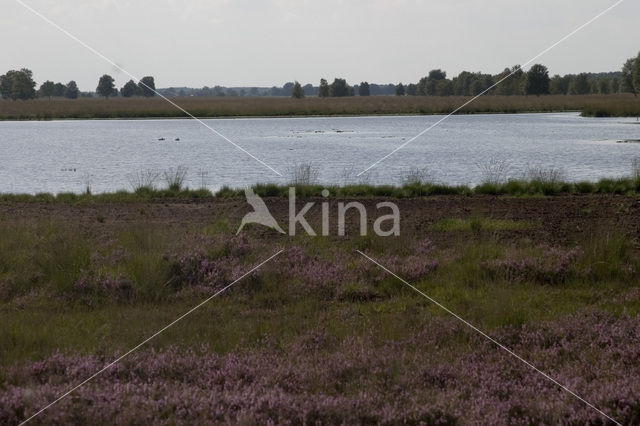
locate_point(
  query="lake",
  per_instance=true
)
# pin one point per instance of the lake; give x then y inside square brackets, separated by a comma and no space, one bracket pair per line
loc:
[107,155]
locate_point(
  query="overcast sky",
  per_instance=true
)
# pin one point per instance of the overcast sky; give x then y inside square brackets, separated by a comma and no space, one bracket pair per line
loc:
[269,42]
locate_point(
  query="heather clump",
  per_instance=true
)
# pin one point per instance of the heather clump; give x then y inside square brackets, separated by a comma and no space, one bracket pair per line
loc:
[208,261]
[311,273]
[197,269]
[411,268]
[414,266]
[92,287]
[353,379]
[550,265]
[350,277]
[424,247]
[104,278]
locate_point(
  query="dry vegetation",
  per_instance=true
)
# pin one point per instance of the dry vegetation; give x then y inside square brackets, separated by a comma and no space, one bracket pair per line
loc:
[593,105]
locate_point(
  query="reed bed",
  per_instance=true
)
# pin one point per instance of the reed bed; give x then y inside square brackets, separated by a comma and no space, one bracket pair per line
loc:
[44,109]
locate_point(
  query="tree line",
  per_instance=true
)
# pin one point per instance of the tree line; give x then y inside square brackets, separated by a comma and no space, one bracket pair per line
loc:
[512,81]
[145,87]
[19,84]
[535,81]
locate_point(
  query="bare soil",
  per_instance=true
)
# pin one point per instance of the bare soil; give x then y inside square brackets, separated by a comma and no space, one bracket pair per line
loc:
[560,220]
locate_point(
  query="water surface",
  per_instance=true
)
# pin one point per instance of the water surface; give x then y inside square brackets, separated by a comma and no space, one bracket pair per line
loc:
[59,156]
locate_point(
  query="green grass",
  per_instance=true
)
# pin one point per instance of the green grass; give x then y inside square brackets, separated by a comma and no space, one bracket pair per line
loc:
[42,254]
[622,186]
[41,261]
[515,188]
[47,256]
[235,321]
[140,195]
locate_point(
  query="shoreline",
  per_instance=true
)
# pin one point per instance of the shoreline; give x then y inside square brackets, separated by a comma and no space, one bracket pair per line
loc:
[629,186]
[266,117]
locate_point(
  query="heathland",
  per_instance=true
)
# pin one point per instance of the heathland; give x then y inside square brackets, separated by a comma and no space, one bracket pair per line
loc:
[320,334]
[58,108]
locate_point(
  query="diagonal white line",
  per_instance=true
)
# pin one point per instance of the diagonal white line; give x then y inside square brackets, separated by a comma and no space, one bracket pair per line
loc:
[492,340]
[138,346]
[100,55]
[572,33]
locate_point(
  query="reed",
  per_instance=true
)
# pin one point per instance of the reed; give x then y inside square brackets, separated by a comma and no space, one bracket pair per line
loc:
[43,109]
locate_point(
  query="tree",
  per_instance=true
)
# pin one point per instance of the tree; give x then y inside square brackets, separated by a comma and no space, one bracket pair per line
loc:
[287,89]
[310,90]
[580,85]
[444,88]
[382,89]
[5,85]
[636,74]
[275,91]
[400,89]
[363,89]
[615,85]
[421,87]
[462,84]
[477,87]
[18,84]
[205,91]
[59,90]
[219,91]
[339,88]
[298,92]
[71,91]
[47,89]
[604,86]
[475,83]
[324,90]
[511,81]
[559,85]
[129,89]
[627,76]
[537,81]
[412,89]
[147,87]
[106,86]
[434,77]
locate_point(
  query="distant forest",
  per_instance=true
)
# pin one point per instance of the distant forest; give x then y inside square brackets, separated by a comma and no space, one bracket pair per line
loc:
[465,84]
[19,84]
[513,81]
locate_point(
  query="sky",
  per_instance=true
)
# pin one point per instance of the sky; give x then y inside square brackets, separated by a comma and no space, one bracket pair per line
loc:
[269,42]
